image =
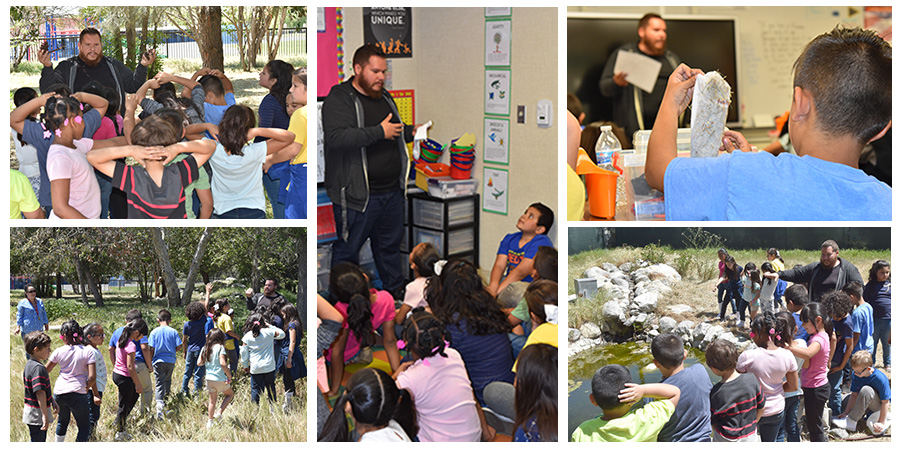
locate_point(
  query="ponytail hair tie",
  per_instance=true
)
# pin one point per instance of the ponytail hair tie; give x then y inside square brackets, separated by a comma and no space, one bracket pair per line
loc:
[552,313]
[216,306]
[439,266]
[401,344]
[771,330]
[777,337]
[74,334]
[752,334]
[62,338]
[255,322]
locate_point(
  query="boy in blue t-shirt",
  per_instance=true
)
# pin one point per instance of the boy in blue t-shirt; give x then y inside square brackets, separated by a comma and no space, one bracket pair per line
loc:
[869,391]
[515,257]
[165,342]
[690,421]
[219,94]
[795,298]
[841,101]
[838,305]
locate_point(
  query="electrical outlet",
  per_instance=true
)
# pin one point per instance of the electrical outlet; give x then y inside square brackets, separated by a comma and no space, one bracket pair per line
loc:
[520,115]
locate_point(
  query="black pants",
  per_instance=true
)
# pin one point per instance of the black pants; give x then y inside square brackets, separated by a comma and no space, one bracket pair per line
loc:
[128,397]
[95,410]
[814,400]
[37,434]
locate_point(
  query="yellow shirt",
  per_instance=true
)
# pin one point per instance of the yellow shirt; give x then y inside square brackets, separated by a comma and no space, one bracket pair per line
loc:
[298,127]
[545,333]
[21,195]
[225,324]
[574,195]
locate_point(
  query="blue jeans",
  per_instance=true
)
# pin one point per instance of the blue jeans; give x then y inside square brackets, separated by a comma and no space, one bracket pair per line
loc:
[790,427]
[272,187]
[74,404]
[242,213]
[732,290]
[192,370]
[771,428]
[882,333]
[95,410]
[260,381]
[233,358]
[383,224]
[834,396]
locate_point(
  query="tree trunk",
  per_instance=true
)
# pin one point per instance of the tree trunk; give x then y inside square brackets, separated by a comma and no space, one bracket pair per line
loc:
[162,253]
[254,267]
[210,34]
[92,284]
[275,38]
[130,20]
[59,280]
[145,33]
[301,277]
[195,265]
[79,270]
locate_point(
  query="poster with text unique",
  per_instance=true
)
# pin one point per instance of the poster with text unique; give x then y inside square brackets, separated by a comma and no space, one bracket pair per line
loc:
[496,190]
[496,140]
[497,11]
[496,92]
[390,29]
[497,35]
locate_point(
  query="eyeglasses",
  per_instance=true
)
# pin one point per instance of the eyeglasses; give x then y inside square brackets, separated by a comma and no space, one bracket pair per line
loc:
[861,373]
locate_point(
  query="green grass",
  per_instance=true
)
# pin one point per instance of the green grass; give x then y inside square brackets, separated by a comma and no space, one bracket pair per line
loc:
[243,421]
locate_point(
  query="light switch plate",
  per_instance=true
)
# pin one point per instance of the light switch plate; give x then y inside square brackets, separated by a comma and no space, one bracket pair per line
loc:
[520,115]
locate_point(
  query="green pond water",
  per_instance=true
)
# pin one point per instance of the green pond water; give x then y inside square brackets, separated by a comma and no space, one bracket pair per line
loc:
[635,356]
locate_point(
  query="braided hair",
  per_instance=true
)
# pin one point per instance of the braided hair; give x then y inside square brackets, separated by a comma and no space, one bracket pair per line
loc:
[374,400]
[767,327]
[57,111]
[425,335]
[71,332]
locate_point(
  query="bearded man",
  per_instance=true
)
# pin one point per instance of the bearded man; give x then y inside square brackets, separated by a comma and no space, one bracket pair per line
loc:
[90,65]
[366,167]
[831,273]
[635,109]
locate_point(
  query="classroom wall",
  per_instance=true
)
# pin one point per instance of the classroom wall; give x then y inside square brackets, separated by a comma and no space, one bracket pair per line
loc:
[447,74]
[771,39]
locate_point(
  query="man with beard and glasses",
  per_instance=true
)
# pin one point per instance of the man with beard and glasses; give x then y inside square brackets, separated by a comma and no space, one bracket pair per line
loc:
[366,167]
[829,274]
[91,65]
[635,109]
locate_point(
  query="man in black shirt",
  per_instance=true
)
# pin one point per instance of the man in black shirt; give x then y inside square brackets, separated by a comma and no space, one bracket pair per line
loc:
[635,109]
[265,298]
[92,65]
[367,166]
[831,273]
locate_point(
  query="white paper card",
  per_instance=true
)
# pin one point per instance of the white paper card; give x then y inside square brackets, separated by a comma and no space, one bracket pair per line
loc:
[640,70]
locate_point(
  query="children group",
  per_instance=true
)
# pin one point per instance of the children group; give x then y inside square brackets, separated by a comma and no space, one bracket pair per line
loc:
[198,154]
[820,348]
[208,344]
[463,365]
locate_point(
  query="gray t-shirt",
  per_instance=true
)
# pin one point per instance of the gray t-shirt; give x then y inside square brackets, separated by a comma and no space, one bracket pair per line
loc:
[690,421]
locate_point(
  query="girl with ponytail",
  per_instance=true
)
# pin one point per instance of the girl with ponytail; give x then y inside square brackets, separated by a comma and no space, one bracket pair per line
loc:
[380,411]
[258,355]
[364,311]
[772,363]
[125,373]
[423,259]
[814,377]
[436,377]
[77,374]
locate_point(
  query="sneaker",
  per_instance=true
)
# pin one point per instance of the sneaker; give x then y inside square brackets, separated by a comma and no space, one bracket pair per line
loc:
[740,324]
[210,423]
[123,436]
[217,415]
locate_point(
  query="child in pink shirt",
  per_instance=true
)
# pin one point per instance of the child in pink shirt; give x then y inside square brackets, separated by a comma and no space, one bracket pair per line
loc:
[814,380]
[437,379]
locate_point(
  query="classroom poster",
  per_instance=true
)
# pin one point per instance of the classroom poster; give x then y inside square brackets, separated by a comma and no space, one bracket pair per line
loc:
[496,91]
[390,29]
[497,11]
[496,140]
[497,34]
[496,190]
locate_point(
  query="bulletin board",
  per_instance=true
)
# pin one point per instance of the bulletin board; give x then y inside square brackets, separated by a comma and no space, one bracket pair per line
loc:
[330,52]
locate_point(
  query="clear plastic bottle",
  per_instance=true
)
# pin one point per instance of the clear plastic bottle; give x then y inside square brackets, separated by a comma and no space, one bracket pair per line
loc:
[609,150]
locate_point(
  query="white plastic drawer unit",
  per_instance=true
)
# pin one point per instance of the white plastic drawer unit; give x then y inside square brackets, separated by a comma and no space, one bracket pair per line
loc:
[457,241]
[430,214]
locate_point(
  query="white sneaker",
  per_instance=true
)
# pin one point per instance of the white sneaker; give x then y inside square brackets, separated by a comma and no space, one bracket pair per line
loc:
[844,423]
[210,423]
[740,324]
[217,415]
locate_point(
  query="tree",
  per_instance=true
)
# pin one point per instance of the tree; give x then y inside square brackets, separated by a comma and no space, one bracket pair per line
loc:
[195,265]
[25,29]
[203,24]
[301,276]
[162,252]
[251,28]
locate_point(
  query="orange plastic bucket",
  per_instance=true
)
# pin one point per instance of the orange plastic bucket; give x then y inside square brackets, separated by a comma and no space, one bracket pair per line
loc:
[601,193]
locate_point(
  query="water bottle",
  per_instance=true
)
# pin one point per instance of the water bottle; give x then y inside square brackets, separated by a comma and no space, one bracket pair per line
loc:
[608,150]
[607,146]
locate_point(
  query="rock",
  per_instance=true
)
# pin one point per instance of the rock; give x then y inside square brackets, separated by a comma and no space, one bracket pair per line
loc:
[712,333]
[583,344]
[653,333]
[574,334]
[730,337]
[626,267]
[646,302]
[621,282]
[614,318]
[658,272]
[609,267]
[683,329]
[590,330]
[596,273]
[679,309]
[667,324]
[640,318]
[638,279]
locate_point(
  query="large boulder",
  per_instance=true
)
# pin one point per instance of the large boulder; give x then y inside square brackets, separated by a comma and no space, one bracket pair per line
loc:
[659,272]
[574,334]
[596,273]
[679,309]
[712,333]
[613,316]
[626,267]
[646,302]
[590,330]
[667,324]
[609,267]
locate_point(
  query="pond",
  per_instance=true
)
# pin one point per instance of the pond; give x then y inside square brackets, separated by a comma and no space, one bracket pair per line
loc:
[635,356]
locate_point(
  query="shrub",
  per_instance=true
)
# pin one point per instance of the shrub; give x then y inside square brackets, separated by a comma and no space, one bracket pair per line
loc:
[701,238]
[63,308]
[654,254]
[584,310]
